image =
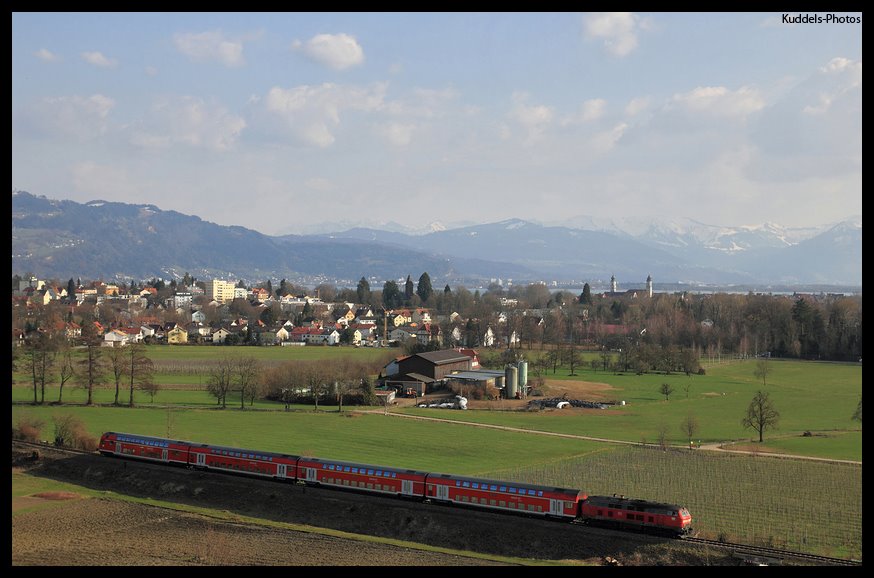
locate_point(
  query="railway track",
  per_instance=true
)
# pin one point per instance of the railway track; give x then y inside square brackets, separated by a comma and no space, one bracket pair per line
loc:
[766,556]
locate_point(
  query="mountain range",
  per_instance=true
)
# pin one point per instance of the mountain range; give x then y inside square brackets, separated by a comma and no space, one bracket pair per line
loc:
[111,240]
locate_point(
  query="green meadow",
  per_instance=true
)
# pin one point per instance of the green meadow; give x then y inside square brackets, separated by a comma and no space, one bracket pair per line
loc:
[801,504]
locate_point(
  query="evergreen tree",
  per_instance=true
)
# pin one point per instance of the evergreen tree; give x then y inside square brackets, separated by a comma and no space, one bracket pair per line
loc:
[408,289]
[423,289]
[391,295]
[363,291]
[586,295]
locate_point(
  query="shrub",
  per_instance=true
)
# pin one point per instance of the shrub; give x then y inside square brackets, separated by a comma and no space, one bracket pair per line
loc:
[71,432]
[28,429]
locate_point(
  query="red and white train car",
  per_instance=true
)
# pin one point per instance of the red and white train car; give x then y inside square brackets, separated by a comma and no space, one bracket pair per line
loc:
[365,477]
[144,448]
[545,501]
[623,512]
[243,461]
[497,495]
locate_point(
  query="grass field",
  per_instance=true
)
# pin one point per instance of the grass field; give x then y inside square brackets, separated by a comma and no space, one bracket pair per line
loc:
[801,504]
[793,504]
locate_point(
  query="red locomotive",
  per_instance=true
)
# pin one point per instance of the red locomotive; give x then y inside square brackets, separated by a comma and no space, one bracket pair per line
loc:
[497,495]
[622,512]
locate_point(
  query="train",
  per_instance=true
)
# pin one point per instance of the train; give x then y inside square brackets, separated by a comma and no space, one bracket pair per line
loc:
[568,504]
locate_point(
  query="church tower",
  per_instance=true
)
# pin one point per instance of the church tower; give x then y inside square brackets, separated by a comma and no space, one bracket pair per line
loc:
[649,285]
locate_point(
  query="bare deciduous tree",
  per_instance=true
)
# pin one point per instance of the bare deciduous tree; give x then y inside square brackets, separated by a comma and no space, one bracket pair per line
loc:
[689,426]
[246,370]
[65,371]
[39,355]
[666,390]
[761,414]
[763,369]
[218,380]
[117,363]
[662,436]
[92,366]
[140,371]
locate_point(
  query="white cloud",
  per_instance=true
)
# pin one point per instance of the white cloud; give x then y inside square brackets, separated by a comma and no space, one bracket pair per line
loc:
[189,121]
[210,46]
[618,30]
[398,134]
[590,110]
[637,105]
[338,51]
[422,103]
[843,75]
[720,101]
[813,130]
[533,119]
[48,56]
[605,141]
[82,117]
[98,59]
[312,112]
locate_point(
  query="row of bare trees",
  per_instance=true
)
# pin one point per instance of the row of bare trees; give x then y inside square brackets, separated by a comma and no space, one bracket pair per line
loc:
[292,381]
[48,356]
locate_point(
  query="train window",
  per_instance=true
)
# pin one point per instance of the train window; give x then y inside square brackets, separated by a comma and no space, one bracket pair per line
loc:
[503,488]
[394,474]
[354,470]
[465,484]
[475,486]
[493,488]
[530,492]
[369,472]
[540,493]
[379,473]
[492,502]
[502,503]
[457,483]
[346,468]
[512,490]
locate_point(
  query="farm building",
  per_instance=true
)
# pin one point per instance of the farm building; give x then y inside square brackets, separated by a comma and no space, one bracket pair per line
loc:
[435,364]
[422,369]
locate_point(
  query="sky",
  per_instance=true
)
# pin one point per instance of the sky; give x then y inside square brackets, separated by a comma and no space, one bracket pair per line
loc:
[292,122]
